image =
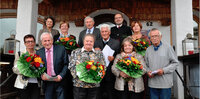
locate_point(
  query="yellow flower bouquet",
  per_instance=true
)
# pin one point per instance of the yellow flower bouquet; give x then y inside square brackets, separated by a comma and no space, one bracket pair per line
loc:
[90,71]
[131,66]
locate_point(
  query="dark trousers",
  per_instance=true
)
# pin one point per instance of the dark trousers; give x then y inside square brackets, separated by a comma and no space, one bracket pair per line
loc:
[84,93]
[54,90]
[146,88]
[68,86]
[126,94]
[32,91]
[106,91]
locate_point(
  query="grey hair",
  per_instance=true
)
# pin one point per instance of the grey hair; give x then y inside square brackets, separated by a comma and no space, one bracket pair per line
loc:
[105,25]
[91,35]
[154,29]
[45,33]
[88,17]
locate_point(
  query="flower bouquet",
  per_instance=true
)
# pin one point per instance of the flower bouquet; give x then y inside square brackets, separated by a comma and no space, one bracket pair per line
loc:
[68,42]
[30,65]
[90,72]
[140,46]
[131,66]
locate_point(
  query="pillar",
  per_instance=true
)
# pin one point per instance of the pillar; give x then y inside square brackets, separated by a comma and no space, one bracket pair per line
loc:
[182,18]
[27,13]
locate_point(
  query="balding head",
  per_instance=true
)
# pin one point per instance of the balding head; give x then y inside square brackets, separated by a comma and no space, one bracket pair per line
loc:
[47,40]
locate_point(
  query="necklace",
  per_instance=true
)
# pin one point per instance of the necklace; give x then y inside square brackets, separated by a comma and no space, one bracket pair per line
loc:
[136,36]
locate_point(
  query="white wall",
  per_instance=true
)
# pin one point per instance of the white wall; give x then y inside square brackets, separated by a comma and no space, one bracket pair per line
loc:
[7,27]
[165,30]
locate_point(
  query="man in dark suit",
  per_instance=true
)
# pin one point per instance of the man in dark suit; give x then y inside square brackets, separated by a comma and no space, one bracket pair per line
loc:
[120,31]
[90,29]
[56,63]
[106,90]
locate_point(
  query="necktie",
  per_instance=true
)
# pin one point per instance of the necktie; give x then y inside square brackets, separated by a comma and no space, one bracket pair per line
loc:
[89,31]
[118,27]
[49,65]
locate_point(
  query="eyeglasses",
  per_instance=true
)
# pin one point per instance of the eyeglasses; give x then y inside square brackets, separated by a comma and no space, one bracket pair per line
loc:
[155,36]
[29,42]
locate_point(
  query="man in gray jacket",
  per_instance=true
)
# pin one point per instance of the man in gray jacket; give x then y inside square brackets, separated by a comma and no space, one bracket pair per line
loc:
[161,62]
[90,29]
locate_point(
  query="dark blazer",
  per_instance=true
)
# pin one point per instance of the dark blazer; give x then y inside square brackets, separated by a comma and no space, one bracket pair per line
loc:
[96,33]
[120,33]
[115,45]
[60,59]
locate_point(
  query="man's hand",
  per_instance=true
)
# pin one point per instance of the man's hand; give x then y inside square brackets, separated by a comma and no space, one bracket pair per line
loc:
[160,72]
[59,78]
[110,58]
[44,77]
[97,49]
[150,75]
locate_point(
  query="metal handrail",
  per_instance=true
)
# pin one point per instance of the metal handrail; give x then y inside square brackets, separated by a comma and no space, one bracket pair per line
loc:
[184,85]
[6,80]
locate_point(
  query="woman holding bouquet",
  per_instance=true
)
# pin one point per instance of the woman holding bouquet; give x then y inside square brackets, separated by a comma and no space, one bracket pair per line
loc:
[138,37]
[28,86]
[64,38]
[129,85]
[86,66]
[136,28]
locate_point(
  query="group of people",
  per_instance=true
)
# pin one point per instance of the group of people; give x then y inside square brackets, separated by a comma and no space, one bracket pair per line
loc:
[159,62]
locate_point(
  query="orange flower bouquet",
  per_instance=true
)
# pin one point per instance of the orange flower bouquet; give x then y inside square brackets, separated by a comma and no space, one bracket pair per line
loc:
[90,72]
[31,65]
[68,42]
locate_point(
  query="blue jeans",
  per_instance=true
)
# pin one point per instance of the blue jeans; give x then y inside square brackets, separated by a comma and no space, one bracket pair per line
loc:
[164,93]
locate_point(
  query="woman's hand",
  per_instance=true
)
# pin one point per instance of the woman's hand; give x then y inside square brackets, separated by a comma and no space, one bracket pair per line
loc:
[123,54]
[124,75]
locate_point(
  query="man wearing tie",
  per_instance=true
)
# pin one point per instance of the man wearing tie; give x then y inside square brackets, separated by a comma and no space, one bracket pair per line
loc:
[106,90]
[56,63]
[120,31]
[90,29]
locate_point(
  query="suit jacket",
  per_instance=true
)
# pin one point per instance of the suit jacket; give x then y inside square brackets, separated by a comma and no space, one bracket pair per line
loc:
[120,33]
[96,33]
[114,45]
[60,60]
